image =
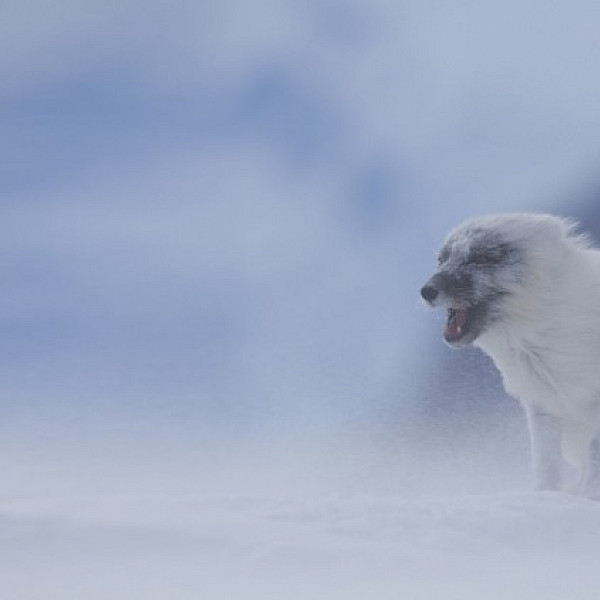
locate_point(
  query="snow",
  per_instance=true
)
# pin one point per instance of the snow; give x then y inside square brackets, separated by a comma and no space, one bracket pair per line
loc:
[513,544]
[288,518]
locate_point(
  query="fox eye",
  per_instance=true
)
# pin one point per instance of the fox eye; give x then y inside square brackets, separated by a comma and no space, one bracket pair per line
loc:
[443,256]
[492,255]
[484,258]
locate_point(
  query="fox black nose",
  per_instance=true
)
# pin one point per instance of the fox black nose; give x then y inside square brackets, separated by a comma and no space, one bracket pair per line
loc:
[429,293]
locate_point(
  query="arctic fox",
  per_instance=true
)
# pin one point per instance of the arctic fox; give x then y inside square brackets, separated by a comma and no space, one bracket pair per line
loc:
[525,288]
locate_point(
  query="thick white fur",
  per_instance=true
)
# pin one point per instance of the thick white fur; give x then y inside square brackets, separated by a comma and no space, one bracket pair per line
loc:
[546,342]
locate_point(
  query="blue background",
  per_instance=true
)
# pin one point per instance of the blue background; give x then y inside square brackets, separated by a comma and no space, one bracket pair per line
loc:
[216,216]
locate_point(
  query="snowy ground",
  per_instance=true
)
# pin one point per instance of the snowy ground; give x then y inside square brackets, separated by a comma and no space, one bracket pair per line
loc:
[74,538]
[513,545]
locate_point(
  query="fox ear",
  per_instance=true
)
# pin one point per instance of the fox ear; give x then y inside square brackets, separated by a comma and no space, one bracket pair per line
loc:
[565,229]
[572,230]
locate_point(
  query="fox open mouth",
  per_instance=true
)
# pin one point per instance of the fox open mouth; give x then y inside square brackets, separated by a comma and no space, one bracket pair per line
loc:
[458,324]
[465,324]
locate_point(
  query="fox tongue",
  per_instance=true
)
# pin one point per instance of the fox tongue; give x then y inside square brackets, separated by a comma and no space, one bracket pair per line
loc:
[457,318]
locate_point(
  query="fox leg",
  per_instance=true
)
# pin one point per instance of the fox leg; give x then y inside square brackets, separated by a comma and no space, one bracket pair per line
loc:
[545,434]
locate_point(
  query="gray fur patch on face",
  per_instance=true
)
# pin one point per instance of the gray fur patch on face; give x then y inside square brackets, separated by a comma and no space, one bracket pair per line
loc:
[477,246]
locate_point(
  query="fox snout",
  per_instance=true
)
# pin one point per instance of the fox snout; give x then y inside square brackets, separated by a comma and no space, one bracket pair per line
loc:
[444,286]
[429,293]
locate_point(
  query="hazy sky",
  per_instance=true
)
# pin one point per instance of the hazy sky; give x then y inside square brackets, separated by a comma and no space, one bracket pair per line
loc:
[224,210]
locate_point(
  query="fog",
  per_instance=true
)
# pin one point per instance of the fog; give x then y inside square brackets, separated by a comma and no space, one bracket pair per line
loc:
[216,218]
